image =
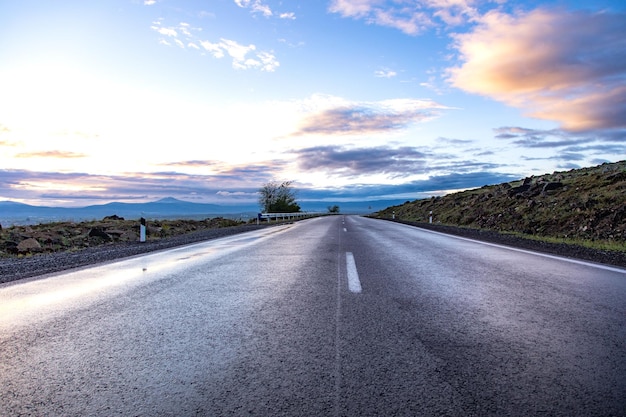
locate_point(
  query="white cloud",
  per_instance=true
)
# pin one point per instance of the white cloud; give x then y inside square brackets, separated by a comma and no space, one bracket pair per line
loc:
[409,16]
[214,48]
[240,54]
[385,73]
[243,56]
[268,61]
[185,29]
[149,2]
[165,31]
[236,50]
[256,6]
[353,8]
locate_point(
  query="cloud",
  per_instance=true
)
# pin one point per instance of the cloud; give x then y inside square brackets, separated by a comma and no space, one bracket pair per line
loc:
[192,163]
[59,188]
[385,73]
[237,194]
[164,31]
[51,154]
[258,172]
[434,185]
[257,6]
[243,56]
[369,117]
[565,145]
[565,66]
[149,2]
[554,138]
[460,181]
[536,138]
[240,55]
[353,162]
[409,16]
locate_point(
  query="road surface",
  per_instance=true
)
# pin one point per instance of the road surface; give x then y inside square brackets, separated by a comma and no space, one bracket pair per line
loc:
[334,316]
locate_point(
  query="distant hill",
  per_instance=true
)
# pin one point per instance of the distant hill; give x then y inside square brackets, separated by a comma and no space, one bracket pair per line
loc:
[18,213]
[582,204]
[12,213]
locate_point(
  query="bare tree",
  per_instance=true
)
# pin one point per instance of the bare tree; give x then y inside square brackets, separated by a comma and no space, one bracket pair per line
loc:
[278,197]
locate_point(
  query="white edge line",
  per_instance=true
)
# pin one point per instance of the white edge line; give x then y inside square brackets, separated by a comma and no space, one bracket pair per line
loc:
[354,284]
[530,252]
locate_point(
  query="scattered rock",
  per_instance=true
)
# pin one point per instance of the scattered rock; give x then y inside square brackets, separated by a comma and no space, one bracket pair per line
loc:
[29,245]
[549,186]
[9,246]
[99,233]
[113,217]
[513,191]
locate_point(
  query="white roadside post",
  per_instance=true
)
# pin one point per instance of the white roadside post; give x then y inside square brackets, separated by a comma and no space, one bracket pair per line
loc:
[393,215]
[430,219]
[142,230]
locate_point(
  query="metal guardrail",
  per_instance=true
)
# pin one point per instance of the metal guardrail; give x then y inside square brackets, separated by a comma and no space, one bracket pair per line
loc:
[288,216]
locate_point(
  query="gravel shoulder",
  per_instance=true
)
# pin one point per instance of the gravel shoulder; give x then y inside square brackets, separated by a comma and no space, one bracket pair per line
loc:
[12,269]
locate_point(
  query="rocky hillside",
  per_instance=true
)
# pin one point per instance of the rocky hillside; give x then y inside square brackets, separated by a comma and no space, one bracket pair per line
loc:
[582,205]
[70,236]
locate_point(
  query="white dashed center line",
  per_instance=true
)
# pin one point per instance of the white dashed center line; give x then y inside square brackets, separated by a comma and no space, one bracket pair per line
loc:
[354,284]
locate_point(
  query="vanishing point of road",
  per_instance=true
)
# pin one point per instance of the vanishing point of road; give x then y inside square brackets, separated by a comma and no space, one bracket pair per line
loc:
[333,316]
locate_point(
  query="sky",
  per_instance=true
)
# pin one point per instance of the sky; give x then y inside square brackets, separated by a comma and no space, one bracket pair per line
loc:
[352,100]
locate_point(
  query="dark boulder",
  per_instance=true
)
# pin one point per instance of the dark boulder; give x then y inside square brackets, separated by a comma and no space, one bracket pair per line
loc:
[518,190]
[550,186]
[113,217]
[99,233]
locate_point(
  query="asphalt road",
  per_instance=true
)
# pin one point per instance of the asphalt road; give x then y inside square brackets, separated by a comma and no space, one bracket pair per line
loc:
[335,316]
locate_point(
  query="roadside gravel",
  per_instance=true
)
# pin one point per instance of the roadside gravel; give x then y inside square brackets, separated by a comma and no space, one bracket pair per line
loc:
[12,269]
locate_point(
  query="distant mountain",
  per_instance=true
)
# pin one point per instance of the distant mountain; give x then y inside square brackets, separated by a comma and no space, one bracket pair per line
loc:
[160,208]
[12,213]
[19,213]
[10,204]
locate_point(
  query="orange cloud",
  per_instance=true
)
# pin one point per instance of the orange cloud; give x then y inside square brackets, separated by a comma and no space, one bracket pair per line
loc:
[51,154]
[564,66]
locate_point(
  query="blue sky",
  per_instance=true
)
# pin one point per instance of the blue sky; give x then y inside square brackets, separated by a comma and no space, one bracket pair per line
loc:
[353,100]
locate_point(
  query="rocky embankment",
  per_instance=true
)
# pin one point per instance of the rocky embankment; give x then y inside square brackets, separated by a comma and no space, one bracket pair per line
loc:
[584,205]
